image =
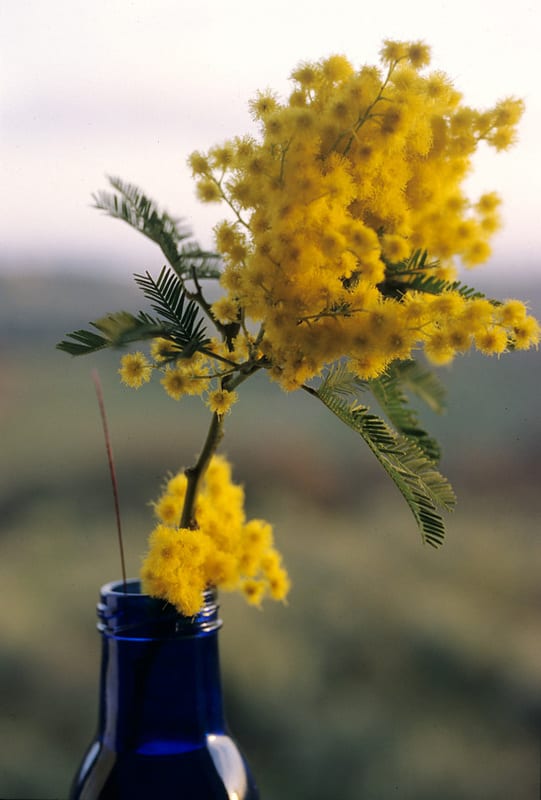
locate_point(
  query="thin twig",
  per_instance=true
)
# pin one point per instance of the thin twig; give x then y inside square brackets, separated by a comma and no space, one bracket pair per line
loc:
[114,484]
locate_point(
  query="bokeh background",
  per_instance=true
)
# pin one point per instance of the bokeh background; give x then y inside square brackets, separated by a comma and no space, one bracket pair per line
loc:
[396,671]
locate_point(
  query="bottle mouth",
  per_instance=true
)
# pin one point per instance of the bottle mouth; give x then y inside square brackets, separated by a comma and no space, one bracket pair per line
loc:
[131,586]
[124,612]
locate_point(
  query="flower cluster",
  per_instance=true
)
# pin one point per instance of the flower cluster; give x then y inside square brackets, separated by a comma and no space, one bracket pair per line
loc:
[197,375]
[348,218]
[226,550]
[350,176]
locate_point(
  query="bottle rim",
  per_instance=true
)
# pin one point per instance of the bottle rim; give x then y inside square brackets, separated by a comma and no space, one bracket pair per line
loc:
[133,614]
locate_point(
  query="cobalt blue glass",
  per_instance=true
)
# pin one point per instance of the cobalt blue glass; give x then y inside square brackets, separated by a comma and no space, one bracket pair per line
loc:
[161,728]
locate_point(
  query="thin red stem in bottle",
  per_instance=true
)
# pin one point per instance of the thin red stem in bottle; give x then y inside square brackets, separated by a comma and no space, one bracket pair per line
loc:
[114,484]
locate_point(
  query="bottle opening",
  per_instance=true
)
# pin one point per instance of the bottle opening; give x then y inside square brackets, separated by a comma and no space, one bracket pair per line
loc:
[132,586]
[132,614]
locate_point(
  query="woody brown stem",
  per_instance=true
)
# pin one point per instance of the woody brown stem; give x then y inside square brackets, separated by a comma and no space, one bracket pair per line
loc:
[196,473]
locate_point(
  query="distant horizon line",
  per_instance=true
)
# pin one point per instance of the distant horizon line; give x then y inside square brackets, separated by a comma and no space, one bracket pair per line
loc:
[101,265]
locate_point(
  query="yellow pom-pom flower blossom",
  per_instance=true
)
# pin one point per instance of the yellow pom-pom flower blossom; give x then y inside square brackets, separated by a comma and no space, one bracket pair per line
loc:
[226,550]
[135,370]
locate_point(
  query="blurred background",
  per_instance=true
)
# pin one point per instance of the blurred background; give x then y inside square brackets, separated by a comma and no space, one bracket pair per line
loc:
[396,671]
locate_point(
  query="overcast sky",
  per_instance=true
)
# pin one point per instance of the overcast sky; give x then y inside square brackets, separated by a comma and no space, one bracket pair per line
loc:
[130,88]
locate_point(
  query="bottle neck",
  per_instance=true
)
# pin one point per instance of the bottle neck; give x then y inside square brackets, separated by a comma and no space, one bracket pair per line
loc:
[160,678]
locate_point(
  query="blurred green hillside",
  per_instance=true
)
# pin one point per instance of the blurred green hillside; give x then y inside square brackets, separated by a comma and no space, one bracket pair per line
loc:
[396,671]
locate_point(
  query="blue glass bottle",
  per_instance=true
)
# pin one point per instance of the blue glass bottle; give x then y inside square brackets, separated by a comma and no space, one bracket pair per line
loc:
[161,730]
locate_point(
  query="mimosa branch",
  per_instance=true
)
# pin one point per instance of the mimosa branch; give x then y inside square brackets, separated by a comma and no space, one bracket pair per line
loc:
[196,473]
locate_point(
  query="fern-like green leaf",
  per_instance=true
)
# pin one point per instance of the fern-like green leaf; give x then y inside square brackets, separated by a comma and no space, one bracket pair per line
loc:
[168,298]
[116,330]
[81,342]
[416,273]
[423,383]
[130,204]
[178,320]
[387,390]
[417,262]
[422,486]
[340,380]
[430,284]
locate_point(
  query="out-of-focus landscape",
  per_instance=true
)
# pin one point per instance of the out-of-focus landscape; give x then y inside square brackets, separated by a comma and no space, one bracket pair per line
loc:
[396,671]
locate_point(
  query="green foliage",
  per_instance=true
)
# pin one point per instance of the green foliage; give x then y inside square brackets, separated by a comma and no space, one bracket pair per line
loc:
[117,329]
[388,391]
[408,455]
[341,381]
[177,308]
[130,204]
[430,284]
[178,321]
[415,274]
[83,342]
[423,383]
[168,298]
[416,262]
